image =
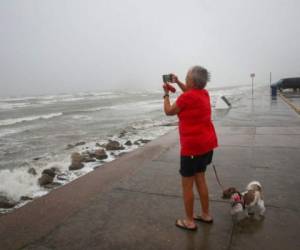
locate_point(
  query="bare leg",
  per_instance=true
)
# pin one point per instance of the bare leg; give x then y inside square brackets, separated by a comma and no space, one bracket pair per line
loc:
[188,198]
[203,193]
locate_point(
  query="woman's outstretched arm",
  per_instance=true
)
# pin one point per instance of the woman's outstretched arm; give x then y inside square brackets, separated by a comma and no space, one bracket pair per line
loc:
[180,84]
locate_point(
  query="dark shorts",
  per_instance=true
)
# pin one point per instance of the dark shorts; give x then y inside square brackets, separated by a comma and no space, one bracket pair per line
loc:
[190,165]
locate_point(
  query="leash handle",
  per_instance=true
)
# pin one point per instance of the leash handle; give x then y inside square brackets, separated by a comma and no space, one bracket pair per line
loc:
[217,177]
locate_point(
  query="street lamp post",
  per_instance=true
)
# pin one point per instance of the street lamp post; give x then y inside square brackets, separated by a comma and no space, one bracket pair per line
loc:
[252,75]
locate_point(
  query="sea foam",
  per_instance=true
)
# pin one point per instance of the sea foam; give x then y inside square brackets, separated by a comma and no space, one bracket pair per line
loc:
[7,122]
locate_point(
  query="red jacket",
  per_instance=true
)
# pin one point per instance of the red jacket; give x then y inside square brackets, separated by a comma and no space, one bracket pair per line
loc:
[196,130]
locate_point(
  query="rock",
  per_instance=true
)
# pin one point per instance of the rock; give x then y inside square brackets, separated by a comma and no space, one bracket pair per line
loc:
[100,154]
[25,198]
[49,171]
[37,158]
[55,170]
[45,179]
[32,171]
[70,146]
[128,143]
[52,185]
[137,143]
[62,177]
[122,133]
[76,166]
[6,202]
[144,140]
[76,161]
[141,141]
[114,145]
[79,143]
[87,157]
[171,124]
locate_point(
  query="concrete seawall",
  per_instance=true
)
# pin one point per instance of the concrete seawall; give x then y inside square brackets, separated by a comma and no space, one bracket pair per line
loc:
[132,202]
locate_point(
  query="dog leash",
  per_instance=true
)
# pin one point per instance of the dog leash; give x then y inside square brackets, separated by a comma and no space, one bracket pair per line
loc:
[217,177]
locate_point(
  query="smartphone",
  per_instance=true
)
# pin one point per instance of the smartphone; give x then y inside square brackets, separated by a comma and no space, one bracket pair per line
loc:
[167,78]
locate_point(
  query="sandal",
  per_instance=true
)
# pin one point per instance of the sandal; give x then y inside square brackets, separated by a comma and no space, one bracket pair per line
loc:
[182,224]
[199,218]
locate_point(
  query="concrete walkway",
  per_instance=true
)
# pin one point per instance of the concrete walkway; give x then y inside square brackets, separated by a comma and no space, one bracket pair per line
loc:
[132,202]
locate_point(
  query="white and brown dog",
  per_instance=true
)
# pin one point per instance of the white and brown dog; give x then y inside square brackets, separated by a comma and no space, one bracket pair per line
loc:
[249,202]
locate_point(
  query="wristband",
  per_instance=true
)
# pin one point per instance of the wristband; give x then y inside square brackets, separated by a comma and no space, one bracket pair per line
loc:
[166,95]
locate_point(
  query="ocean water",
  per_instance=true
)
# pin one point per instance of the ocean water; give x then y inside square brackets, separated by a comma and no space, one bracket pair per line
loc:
[35,131]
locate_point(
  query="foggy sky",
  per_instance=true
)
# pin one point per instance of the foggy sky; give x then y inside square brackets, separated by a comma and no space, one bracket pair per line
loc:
[57,46]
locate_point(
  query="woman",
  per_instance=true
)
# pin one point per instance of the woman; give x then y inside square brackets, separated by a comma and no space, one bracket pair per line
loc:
[197,140]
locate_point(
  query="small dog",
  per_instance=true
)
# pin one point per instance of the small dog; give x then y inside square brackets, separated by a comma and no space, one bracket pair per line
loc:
[247,203]
[253,199]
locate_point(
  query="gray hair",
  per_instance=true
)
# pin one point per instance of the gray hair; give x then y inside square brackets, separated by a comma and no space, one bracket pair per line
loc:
[200,76]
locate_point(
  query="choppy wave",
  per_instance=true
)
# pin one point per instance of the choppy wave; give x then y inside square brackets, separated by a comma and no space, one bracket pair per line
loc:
[7,122]
[18,182]
[9,106]
[11,103]
[5,132]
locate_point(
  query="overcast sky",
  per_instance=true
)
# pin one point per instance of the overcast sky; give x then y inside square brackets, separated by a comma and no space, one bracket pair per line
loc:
[57,46]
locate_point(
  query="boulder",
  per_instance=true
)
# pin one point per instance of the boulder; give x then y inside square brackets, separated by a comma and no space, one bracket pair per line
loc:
[25,198]
[79,143]
[76,166]
[144,140]
[52,185]
[114,145]
[32,171]
[55,170]
[5,202]
[45,179]
[76,161]
[141,141]
[128,143]
[49,171]
[87,157]
[100,154]
[122,133]
[47,176]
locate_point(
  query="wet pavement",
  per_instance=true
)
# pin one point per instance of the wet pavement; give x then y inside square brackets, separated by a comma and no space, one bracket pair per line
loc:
[292,98]
[132,202]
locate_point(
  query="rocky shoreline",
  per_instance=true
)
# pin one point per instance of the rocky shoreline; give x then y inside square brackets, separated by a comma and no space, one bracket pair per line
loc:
[100,153]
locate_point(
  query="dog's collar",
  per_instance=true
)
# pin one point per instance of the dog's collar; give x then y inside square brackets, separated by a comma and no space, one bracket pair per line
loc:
[239,201]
